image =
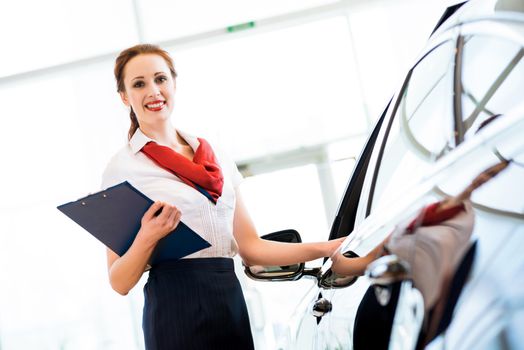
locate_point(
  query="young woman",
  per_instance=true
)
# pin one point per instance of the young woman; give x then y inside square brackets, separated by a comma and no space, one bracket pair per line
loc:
[195,302]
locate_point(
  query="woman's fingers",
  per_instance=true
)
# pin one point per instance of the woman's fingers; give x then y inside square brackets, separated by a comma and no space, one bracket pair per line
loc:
[173,217]
[176,219]
[167,209]
[160,219]
[178,214]
[150,213]
[169,218]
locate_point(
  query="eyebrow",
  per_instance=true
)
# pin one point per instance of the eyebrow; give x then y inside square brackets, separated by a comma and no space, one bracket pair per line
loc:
[141,77]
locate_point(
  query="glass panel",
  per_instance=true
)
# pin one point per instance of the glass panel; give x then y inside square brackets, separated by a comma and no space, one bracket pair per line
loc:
[426,110]
[273,92]
[46,33]
[274,271]
[342,159]
[499,87]
[55,293]
[421,128]
[59,131]
[191,17]
[58,142]
[386,45]
[496,91]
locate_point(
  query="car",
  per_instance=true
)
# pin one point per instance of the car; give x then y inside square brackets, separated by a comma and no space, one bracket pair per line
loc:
[459,110]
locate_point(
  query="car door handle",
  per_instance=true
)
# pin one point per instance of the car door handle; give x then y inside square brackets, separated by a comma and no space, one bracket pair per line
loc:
[321,307]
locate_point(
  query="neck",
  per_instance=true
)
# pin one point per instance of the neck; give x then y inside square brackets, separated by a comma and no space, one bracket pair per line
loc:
[164,134]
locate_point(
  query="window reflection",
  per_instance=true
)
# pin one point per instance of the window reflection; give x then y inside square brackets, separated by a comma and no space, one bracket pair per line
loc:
[426,110]
[492,79]
[500,85]
[422,128]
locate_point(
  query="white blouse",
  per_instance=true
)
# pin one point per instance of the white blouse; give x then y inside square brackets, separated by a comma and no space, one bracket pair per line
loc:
[213,222]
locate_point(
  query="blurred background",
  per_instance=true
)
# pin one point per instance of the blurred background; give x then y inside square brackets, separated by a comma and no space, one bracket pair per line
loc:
[290,88]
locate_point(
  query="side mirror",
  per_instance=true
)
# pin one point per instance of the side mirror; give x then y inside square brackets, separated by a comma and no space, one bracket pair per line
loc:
[332,280]
[277,273]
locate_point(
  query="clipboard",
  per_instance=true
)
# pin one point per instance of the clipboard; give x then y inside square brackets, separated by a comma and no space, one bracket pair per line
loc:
[113,216]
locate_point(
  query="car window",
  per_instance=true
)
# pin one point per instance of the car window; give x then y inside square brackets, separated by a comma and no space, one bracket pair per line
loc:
[344,221]
[493,84]
[500,84]
[489,80]
[422,128]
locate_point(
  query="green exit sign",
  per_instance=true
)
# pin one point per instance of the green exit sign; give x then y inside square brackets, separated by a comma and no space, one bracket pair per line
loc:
[239,27]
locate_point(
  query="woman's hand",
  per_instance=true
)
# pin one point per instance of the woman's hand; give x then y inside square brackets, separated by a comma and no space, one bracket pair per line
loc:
[157,225]
[356,266]
[125,271]
[333,245]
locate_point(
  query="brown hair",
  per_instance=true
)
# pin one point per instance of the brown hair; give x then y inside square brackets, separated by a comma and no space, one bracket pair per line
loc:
[121,61]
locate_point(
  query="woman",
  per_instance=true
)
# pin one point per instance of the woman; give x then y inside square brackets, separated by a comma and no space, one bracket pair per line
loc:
[195,302]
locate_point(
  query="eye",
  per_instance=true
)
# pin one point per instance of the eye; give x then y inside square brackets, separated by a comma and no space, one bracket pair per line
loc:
[161,79]
[138,84]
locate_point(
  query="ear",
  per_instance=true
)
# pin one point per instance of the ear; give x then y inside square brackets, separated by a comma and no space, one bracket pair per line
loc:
[124,98]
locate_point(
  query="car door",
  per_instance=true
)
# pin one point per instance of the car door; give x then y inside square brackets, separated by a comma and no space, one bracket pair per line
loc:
[334,329]
[470,73]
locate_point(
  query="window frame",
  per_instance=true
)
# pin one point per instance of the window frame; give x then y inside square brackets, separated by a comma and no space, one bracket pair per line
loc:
[344,221]
[393,114]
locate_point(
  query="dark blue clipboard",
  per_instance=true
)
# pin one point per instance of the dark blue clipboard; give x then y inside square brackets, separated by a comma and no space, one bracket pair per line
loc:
[113,216]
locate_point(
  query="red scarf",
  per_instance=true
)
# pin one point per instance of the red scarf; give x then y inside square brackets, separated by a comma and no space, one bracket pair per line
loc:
[203,173]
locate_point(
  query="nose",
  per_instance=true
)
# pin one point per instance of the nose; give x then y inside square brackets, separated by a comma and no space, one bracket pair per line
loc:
[154,90]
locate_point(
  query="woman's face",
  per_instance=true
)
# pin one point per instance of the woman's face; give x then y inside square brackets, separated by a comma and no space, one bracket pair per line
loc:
[149,89]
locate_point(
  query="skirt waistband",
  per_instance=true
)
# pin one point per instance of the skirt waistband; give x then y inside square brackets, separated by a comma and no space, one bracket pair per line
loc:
[195,264]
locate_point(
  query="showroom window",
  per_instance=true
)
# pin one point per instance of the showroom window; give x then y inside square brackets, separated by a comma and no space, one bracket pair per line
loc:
[291,98]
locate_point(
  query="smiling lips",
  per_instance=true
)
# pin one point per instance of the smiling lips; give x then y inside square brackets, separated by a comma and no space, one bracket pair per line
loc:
[155,106]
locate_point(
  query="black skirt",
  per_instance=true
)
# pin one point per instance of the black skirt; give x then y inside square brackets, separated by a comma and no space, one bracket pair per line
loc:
[195,304]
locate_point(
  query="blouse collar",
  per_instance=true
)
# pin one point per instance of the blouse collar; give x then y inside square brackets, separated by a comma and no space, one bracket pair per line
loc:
[139,139]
